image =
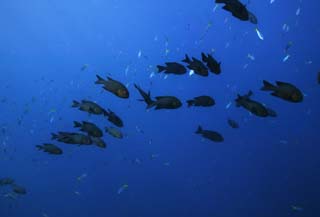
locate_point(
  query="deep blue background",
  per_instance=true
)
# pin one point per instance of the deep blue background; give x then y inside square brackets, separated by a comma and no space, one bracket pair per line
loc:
[261,169]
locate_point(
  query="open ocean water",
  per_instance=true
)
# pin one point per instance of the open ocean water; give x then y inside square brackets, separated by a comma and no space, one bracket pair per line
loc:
[255,158]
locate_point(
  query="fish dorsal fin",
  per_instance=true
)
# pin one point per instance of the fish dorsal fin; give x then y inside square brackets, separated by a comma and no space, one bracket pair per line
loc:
[281,84]
[110,79]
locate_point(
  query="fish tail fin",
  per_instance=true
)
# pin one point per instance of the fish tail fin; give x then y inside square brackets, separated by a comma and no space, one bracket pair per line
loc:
[267,86]
[75,104]
[54,136]
[190,103]
[150,104]
[100,80]
[204,57]
[199,130]
[76,124]
[186,59]
[161,68]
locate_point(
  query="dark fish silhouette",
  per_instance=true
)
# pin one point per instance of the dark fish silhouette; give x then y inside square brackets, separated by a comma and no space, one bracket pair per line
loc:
[212,64]
[196,65]
[233,124]
[19,189]
[90,128]
[284,91]
[6,181]
[211,135]
[99,142]
[238,10]
[252,106]
[50,149]
[205,101]
[72,138]
[172,68]
[113,86]
[89,106]
[318,78]
[113,118]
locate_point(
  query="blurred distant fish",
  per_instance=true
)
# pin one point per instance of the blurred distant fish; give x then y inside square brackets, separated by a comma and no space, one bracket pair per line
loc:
[114,132]
[50,149]
[211,135]
[88,127]
[84,67]
[99,142]
[113,86]
[114,118]
[233,124]
[72,138]
[89,106]
[19,189]
[318,78]
[6,181]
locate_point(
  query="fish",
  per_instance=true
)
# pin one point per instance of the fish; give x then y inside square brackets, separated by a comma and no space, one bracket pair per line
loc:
[196,65]
[89,106]
[252,106]
[165,102]
[50,149]
[172,68]
[6,181]
[122,188]
[238,10]
[19,189]
[211,135]
[318,78]
[233,124]
[99,142]
[72,138]
[205,101]
[146,96]
[114,132]
[113,86]
[114,118]
[90,128]
[283,90]
[213,65]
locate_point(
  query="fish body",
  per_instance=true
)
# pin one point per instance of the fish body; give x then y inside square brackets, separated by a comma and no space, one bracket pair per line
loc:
[72,138]
[238,10]
[90,128]
[99,142]
[172,68]
[19,189]
[211,135]
[50,149]
[6,181]
[165,102]
[197,66]
[213,65]
[113,86]
[205,101]
[89,106]
[114,132]
[254,107]
[114,118]
[283,90]
[233,124]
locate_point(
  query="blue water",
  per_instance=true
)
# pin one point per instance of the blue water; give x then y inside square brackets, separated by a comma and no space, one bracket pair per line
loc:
[265,168]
